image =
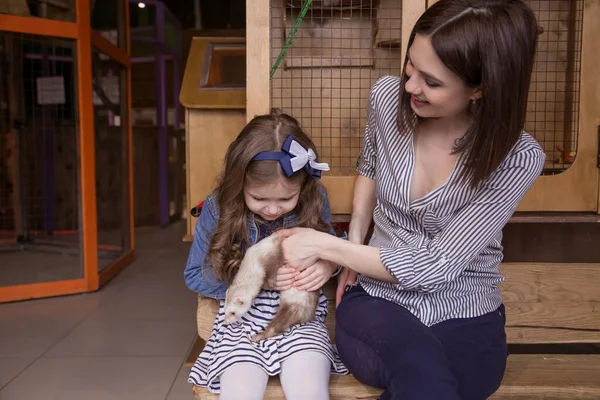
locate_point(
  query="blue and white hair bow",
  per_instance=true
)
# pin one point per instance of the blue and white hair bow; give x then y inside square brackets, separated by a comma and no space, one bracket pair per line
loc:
[293,158]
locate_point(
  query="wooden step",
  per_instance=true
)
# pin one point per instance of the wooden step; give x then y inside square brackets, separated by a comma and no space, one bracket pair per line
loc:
[528,377]
[341,387]
[551,377]
[521,217]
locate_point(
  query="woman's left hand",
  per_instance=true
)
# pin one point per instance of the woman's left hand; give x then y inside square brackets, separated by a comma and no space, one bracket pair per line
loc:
[301,247]
[315,276]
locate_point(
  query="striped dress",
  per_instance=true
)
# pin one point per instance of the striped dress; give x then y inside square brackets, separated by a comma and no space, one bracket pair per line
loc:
[229,345]
[444,248]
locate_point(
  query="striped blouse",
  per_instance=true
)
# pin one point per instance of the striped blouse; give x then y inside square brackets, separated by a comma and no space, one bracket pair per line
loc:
[444,248]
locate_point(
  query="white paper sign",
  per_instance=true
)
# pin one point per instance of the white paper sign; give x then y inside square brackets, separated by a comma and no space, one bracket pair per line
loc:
[50,90]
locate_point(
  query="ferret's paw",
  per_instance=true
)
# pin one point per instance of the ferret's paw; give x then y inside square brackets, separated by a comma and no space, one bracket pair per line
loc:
[263,335]
[235,308]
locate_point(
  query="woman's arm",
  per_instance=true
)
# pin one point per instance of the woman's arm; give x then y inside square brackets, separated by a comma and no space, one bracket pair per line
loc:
[444,257]
[303,247]
[198,274]
[363,205]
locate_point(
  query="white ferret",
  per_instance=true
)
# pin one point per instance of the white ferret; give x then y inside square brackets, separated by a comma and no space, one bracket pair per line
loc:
[259,265]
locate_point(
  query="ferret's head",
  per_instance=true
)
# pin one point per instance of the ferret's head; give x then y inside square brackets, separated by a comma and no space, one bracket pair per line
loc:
[234,309]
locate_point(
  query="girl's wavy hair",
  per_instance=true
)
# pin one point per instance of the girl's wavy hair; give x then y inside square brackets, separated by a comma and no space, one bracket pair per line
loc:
[263,133]
[489,44]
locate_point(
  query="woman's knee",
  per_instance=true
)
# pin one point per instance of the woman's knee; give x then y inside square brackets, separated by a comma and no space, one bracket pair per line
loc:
[477,352]
[360,359]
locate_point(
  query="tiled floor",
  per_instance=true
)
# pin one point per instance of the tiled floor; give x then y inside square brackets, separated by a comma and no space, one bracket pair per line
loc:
[126,342]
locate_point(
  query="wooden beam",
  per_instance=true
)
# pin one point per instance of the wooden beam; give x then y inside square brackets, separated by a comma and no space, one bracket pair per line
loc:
[87,148]
[38,26]
[103,45]
[411,12]
[258,48]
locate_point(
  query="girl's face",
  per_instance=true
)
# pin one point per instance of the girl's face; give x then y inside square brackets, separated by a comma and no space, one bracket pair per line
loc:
[273,200]
[436,92]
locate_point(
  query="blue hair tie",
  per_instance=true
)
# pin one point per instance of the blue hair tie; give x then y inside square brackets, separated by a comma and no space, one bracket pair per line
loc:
[294,157]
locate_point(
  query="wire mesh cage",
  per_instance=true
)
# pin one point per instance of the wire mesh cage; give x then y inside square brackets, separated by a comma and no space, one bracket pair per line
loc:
[111,121]
[341,47]
[553,107]
[39,142]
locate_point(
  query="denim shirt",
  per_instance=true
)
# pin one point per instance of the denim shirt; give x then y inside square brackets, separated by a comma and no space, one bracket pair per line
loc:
[198,274]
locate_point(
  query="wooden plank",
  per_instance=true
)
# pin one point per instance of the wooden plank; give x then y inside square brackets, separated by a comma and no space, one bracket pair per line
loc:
[550,377]
[551,303]
[208,134]
[89,217]
[519,217]
[105,46]
[545,303]
[42,290]
[189,221]
[529,335]
[258,94]
[550,283]
[527,377]
[194,351]
[341,387]
[123,18]
[39,26]
[411,12]
[338,188]
[576,189]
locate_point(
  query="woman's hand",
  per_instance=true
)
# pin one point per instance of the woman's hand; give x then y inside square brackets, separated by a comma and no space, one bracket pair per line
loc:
[284,279]
[315,276]
[301,247]
[345,278]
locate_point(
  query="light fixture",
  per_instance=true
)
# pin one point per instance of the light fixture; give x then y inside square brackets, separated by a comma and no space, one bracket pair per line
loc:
[142,5]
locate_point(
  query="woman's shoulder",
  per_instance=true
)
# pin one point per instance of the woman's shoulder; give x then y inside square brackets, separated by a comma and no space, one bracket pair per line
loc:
[528,146]
[387,88]
[527,154]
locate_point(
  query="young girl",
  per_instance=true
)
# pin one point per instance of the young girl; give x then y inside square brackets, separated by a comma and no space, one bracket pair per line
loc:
[269,182]
[443,166]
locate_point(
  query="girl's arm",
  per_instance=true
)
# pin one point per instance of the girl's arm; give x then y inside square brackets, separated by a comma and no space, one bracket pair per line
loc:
[198,273]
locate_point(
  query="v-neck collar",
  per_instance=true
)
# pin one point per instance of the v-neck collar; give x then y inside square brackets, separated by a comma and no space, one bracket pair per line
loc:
[430,196]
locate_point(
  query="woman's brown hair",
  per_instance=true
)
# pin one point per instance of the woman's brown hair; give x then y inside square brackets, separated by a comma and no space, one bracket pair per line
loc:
[489,44]
[263,133]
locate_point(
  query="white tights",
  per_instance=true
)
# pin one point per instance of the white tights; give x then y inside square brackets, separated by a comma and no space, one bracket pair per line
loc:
[304,376]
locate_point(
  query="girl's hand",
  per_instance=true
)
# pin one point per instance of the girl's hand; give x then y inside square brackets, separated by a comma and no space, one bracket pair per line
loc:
[300,248]
[283,280]
[346,277]
[315,276]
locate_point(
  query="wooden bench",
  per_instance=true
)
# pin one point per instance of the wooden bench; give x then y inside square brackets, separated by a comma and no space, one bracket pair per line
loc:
[553,328]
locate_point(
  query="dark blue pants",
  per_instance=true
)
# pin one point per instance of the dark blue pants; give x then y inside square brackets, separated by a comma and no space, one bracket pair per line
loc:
[385,346]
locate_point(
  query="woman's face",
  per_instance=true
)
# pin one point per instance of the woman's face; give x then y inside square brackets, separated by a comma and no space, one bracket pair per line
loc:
[436,92]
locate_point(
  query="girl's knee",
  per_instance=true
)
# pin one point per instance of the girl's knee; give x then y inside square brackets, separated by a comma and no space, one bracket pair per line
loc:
[243,381]
[310,389]
[306,375]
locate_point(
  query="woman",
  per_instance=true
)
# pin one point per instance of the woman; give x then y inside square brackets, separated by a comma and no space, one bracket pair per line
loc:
[443,166]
